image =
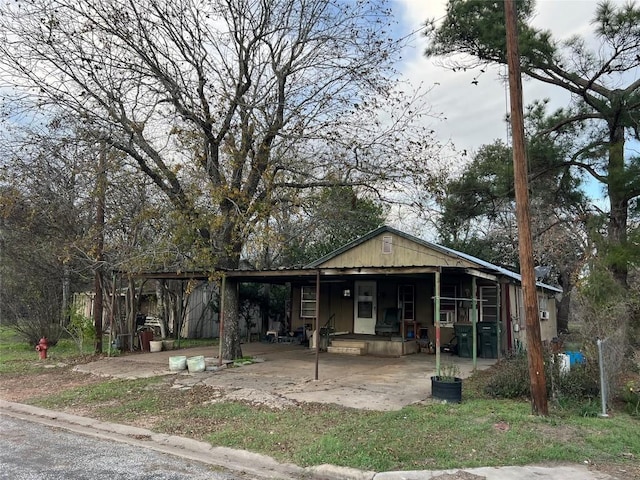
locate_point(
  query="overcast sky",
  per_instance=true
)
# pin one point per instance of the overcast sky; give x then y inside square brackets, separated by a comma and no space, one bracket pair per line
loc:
[475,113]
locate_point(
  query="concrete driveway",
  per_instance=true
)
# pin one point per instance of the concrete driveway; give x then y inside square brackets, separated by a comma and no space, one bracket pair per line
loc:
[363,382]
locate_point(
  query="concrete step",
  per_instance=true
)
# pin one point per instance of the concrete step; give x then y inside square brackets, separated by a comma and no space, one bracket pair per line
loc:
[336,342]
[347,350]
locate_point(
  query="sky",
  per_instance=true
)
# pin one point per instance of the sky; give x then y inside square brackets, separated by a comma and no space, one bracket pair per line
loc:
[475,113]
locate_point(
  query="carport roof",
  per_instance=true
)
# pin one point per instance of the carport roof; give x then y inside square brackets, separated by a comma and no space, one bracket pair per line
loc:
[310,271]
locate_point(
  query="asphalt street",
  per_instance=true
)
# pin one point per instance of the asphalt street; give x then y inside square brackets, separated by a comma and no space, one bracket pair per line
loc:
[31,451]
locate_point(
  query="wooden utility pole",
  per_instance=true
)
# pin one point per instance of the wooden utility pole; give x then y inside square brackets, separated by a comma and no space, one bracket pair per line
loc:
[534,342]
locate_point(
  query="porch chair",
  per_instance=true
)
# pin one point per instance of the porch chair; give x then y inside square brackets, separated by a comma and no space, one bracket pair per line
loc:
[390,322]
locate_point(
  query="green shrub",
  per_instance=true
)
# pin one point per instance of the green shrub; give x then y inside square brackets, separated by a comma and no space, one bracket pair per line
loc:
[589,409]
[580,382]
[510,379]
[631,397]
[80,328]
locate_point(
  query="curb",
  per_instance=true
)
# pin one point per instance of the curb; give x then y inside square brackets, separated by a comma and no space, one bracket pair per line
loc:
[260,466]
[255,464]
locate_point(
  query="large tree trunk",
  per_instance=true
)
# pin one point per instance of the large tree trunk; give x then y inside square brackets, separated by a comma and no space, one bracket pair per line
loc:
[230,336]
[619,206]
[231,348]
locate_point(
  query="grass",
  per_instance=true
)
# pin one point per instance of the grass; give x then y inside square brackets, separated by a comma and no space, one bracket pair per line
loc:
[18,357]
[434,436]
[431,436]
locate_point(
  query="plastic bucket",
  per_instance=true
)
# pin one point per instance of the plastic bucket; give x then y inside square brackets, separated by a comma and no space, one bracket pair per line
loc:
[196,364]
[575,358]
[177,363]
[155,346]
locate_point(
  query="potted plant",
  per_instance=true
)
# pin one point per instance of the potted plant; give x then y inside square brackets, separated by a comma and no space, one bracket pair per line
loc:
[448,384]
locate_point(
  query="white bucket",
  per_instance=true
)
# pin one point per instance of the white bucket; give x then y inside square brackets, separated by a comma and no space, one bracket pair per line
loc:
[196,364]
[177,363]
[155,346]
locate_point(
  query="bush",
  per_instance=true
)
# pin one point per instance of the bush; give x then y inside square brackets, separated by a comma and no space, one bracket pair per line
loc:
[32,309]
[80,329]
[510,379]
[582,381]
[630,395]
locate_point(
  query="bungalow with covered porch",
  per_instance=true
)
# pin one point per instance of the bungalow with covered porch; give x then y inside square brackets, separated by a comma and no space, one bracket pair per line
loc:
[391,293]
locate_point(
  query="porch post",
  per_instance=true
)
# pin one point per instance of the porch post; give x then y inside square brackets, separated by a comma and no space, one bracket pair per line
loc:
[317,322]
[499,317]
[474,322]
[437,320]
[221,318]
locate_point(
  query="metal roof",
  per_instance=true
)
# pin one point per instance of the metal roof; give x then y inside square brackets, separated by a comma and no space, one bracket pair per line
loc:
[284,274]
[496,269]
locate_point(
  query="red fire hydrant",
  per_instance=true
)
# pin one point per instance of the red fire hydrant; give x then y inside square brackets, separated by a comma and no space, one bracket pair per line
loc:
[42,347]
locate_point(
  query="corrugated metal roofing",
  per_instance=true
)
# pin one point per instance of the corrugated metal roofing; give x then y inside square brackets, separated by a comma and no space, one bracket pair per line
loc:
[445,250]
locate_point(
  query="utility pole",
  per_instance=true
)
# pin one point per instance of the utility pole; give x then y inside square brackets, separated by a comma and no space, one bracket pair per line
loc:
[534,341]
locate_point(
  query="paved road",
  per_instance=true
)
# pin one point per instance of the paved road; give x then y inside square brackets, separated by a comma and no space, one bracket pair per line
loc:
[30,451]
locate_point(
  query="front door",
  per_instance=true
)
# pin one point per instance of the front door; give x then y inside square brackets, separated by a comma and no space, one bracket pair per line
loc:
[365,308]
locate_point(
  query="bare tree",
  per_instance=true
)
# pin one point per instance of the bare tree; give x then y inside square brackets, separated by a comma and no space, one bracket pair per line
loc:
[226,105]
[43,228]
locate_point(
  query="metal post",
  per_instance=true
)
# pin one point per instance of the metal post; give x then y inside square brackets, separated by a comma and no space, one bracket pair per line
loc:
[474,322]
[437,320]
[317,323]
[221,318]
[498,317]
[603,383]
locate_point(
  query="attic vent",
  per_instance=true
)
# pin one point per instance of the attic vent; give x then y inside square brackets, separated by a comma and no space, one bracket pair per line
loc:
[387,244]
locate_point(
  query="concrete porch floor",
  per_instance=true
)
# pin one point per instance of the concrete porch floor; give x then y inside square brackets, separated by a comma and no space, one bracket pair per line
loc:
[363,382]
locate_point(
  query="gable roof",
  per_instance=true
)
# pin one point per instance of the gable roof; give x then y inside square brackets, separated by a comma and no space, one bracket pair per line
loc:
[482,264]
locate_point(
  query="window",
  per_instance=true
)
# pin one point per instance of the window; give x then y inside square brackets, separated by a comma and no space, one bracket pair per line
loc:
[308,302]
[448,304]
[387,244]
[406,302]
[488,304]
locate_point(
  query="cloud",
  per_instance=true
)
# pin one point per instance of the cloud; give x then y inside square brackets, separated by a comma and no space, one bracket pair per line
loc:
[475,113]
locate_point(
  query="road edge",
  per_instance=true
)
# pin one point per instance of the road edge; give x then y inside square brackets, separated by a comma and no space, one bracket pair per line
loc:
[241,461]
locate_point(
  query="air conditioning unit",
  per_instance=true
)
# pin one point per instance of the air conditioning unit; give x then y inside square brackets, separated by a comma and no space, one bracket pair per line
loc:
[544,315]
[447,317]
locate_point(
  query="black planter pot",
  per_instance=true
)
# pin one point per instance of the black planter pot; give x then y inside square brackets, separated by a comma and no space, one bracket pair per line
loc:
[448,390]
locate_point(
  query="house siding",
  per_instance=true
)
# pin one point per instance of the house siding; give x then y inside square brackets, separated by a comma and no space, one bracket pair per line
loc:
[403,253]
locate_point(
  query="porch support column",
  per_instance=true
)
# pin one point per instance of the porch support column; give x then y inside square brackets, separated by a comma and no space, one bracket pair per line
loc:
[474,322]
[498,317]
[437,320]
[317,323]
[223,286]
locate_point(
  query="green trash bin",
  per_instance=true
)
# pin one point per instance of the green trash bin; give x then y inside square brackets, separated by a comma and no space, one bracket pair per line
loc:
[464,336]
[488,339]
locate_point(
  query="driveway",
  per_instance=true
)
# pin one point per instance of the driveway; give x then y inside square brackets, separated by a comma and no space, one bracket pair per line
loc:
[287,371]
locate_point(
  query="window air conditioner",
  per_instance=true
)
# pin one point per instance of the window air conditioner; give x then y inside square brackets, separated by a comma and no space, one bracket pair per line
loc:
[447,317]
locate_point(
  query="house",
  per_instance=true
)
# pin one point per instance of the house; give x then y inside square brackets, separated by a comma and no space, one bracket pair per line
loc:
[391,293]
